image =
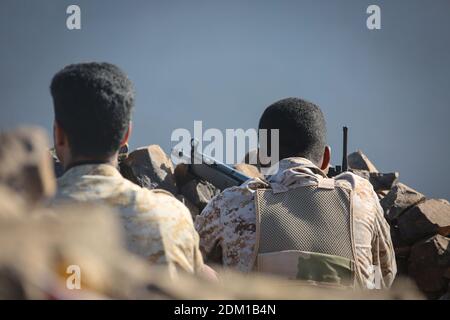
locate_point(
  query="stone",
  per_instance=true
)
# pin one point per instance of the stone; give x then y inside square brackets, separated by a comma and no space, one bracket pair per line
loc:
[182,174]
[150,167]
[424,220]
[379,181]
[401,258]
[359,161]
[400,199]
[428,265]
[402,267]
[192,208]
[199,193]
[249,170]
[382,194]
[444,231]
[395,236]
[446,296]
[195,193]
[26,163]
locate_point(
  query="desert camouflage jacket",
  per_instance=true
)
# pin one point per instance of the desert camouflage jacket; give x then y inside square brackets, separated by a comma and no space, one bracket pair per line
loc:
[157,226]
[228,221]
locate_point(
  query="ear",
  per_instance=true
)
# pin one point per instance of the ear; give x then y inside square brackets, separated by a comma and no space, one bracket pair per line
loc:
[59,135]
[127,135]
[326,158]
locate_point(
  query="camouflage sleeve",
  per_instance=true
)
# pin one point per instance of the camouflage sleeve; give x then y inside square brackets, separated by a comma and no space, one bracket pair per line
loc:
[374,250]
[209,226]
[185,238]
[163,231]
[383,249]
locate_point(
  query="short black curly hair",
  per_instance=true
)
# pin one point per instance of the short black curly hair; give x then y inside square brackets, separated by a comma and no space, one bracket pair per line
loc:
[302,128]
[93,104]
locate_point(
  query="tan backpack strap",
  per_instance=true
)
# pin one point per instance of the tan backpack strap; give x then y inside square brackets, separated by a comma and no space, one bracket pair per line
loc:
[257,194]
[326,183]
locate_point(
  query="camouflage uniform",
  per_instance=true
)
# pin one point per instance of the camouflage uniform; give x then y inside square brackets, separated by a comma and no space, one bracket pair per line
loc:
[229,220]
[158,227]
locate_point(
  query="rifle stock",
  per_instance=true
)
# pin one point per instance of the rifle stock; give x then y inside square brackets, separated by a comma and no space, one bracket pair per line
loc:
[223,176]
[203,167]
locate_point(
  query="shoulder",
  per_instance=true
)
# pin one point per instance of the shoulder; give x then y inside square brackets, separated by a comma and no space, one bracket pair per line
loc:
[154,214]
[360,186]
[234,198]
[148,200]
[160,201]
[233,204]
[365,203]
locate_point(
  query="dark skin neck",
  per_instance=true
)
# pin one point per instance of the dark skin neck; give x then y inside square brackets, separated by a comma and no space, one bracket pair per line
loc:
[112,160]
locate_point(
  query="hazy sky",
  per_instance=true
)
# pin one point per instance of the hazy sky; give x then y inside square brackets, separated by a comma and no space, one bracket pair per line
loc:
[223,62]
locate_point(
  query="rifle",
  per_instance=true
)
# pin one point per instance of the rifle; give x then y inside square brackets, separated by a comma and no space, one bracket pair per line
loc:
[223,176]
[203,167]
[336,170]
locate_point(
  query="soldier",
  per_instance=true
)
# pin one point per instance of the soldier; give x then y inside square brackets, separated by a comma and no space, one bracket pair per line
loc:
[298,223]
[92,105]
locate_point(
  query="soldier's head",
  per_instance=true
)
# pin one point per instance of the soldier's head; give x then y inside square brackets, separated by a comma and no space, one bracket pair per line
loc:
[92,104]
[302,130]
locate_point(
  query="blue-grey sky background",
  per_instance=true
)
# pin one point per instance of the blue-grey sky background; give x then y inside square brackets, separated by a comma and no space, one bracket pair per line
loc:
[223,62]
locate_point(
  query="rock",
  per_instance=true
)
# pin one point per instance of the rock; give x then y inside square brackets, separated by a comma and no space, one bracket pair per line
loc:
[150,167]
[400,199]
[182,175]
[359,161]
[379,181]
[26,164]
[447,273]
[429,263]
[383,181]
[401,257]
[192,208]
[199,193]
[249,170]
[444,231]
[446,296]
[382,194]
[424,220]
[402,266]
[195,193]
[395,236]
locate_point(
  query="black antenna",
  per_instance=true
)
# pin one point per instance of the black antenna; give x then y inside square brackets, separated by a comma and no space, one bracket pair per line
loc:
[344,151]
[192,150]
